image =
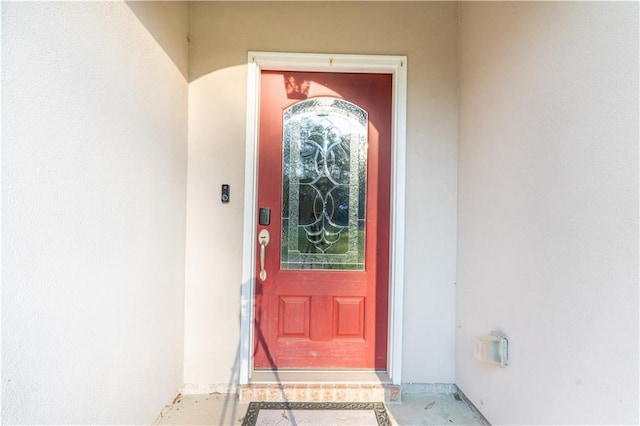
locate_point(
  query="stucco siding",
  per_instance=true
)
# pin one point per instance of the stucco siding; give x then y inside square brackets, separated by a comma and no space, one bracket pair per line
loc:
[221,35]
[548,210]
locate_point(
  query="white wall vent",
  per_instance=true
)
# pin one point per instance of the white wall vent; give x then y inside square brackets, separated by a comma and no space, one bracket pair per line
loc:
[492,349]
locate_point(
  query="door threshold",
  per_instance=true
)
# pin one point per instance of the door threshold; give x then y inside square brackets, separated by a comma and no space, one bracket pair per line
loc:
[320,386]
[320,376]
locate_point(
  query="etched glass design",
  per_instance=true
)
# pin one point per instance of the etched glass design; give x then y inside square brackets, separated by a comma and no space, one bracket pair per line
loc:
[324,185]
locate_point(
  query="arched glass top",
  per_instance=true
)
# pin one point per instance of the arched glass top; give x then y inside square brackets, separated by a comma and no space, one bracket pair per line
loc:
[324,185]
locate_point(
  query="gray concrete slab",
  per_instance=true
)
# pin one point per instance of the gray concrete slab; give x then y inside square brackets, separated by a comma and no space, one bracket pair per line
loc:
[415,409]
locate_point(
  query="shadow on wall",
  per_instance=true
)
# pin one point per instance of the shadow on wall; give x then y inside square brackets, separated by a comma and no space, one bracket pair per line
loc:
[224,31]
[163,20]
[230,405]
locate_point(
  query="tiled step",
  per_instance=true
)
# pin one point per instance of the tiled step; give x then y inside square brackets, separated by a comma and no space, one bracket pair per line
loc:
[320,392]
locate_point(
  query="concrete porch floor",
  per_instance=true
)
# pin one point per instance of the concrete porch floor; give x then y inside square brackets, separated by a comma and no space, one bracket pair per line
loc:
[415,409]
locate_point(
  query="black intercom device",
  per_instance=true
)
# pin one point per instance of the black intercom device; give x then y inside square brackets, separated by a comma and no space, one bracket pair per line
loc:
[264,218]
[225,193]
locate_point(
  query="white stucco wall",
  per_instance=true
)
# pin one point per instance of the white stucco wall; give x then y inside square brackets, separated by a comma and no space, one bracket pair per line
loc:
[221,35]
[94,132]
[548,210]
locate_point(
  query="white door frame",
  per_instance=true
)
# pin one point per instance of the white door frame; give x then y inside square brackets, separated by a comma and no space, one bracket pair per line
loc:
[397,67]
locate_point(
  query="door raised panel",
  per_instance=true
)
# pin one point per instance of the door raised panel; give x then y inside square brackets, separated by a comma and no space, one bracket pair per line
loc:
[349,317]
[294,317]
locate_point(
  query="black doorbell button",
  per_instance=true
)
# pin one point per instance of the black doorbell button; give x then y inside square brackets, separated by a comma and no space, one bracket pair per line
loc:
[225,193]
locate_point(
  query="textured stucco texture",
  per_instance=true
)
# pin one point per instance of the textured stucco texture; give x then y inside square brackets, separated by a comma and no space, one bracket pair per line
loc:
[548,210]
[221,35]
[94,163]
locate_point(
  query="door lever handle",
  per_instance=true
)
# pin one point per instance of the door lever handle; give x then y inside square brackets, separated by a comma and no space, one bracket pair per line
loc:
[263,239]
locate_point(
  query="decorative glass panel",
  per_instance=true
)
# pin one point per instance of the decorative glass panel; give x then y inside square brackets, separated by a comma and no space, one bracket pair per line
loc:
[324,185]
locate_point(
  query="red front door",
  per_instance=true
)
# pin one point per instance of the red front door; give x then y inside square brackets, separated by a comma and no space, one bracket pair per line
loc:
[324,190]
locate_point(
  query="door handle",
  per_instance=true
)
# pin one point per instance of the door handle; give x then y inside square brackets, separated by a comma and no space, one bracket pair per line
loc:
[263,239]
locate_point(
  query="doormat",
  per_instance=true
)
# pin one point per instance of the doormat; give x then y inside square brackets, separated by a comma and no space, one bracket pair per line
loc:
[316,413]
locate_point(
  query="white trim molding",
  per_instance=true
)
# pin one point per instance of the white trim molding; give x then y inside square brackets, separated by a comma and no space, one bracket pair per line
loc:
[397,67]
